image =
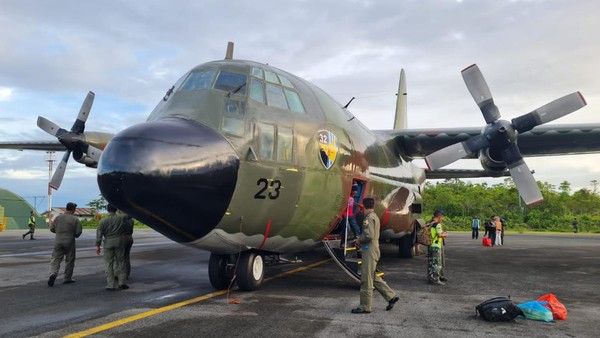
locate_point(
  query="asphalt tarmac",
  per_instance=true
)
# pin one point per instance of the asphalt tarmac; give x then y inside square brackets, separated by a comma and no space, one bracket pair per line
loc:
[170,294]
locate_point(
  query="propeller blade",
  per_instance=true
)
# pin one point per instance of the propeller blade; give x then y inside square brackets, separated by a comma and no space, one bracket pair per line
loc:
[481,93]
[94,153]
[455,152]
[60,171]
[84,112]
[526,184]
[549,112]
[521,175]
[50,127]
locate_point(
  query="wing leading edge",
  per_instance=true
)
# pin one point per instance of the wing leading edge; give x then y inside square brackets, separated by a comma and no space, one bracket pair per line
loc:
[546,140]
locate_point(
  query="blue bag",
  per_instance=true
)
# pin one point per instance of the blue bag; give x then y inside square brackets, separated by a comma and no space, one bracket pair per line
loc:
[535,310]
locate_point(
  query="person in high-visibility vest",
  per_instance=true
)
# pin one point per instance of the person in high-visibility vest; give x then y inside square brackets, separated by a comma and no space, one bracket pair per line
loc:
[435,252]
[31,224]
[369,242]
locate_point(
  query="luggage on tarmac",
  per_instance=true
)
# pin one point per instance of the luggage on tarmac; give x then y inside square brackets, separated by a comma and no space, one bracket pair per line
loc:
[559,311]
[486,241]
[498,309]
[535,310]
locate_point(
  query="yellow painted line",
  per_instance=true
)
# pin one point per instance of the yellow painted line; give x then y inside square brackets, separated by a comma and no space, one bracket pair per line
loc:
[150,313]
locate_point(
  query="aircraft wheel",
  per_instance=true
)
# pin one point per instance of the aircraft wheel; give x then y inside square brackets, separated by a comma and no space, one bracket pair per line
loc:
[251,271]
[405,246]
[217,271]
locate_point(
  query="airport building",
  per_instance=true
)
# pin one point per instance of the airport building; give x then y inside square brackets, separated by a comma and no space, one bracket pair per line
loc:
[15,211]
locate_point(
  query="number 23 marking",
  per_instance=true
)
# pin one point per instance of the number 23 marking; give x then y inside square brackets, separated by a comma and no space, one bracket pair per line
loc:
[264,184]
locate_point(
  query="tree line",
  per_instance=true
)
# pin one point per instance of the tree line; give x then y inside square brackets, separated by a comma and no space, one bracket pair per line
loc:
[461,200]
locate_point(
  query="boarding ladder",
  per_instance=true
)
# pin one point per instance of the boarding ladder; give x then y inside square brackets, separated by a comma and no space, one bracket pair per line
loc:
[346,257]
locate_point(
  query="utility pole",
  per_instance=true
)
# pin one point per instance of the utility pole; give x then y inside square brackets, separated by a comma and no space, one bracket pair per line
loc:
[50,160]
[35,198]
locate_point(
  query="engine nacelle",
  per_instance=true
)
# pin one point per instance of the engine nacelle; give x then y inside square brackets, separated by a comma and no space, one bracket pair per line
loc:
[493,166]
[81,157]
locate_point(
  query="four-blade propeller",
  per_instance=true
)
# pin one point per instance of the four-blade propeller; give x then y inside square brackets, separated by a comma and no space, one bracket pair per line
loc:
[73,140]
[500,136]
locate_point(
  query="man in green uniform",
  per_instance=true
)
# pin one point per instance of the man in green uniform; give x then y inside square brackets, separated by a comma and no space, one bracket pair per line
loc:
[127,244]
[435,252]
[369,241]
[112,228]
[67,227]
[31,224]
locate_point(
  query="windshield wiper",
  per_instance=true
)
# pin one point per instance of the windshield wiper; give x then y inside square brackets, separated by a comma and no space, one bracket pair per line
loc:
[237,89]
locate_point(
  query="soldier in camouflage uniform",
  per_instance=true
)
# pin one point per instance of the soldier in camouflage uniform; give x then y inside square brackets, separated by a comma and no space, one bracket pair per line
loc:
[67,227]
[435,252]
[112,228]
[369,241]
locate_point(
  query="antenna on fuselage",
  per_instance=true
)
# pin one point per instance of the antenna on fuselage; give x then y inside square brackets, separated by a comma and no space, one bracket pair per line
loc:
[229,53]
[347,104]
[400,119]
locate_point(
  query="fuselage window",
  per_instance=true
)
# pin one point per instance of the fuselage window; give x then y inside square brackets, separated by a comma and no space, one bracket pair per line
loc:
[231,82]
[271,77]
[285,141]
[199,80]
[233,125]
[257,92]
[293,100]
[275,97]
[266,138]
[285,81]
[257,72]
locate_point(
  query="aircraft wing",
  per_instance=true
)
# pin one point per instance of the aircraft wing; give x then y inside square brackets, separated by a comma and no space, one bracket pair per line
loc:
[544,140]
[41,145]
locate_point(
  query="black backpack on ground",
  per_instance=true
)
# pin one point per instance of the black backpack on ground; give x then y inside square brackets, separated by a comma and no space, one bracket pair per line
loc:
[498,309]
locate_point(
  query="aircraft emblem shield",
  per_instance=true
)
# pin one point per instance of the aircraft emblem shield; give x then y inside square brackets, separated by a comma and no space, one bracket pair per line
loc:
[328,148]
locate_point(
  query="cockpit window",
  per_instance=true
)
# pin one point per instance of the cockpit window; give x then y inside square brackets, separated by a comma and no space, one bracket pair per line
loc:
[231,82]
[257,72]
[285,81]
[257,92]
[293,100]
[199,80]
[271,77]
[275,96]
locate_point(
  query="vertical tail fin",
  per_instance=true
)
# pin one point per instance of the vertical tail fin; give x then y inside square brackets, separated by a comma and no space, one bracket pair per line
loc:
[400,119]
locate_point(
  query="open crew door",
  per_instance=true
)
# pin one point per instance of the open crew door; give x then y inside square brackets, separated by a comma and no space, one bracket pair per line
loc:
[347,256]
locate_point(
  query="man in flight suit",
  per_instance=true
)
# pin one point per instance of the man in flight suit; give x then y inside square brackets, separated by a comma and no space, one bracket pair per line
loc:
[31,224]
[369,241]
[112,228]
[127,244]
[67,227]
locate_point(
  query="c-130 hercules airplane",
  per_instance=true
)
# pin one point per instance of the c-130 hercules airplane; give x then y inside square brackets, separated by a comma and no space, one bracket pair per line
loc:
[248,161]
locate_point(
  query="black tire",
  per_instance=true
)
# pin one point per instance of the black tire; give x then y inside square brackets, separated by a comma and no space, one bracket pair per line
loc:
[217,271]
[251,271]
[406,247]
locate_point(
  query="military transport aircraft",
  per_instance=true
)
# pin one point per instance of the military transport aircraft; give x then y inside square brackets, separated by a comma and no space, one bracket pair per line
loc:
[248,162]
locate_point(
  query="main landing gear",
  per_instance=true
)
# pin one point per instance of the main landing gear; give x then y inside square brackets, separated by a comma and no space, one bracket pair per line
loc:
[249,274]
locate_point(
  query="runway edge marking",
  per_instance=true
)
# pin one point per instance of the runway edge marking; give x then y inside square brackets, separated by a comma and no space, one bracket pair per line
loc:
[150,313]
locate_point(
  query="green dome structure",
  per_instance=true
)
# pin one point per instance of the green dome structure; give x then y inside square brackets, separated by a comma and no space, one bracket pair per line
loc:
[14,212]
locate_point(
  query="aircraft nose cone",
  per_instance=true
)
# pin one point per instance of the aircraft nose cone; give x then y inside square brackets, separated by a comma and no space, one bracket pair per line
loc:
[177,176]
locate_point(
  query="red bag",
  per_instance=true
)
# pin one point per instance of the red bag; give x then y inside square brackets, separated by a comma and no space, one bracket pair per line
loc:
[559,311]
[487,242]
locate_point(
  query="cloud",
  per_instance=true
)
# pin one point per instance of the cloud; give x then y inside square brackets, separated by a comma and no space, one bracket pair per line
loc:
[130,53]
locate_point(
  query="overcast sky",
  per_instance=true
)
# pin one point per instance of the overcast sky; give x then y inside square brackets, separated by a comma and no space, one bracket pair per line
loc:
[130,52]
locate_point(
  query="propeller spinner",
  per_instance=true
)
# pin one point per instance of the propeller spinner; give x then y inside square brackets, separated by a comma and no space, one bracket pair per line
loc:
[73,140]
[500,136]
